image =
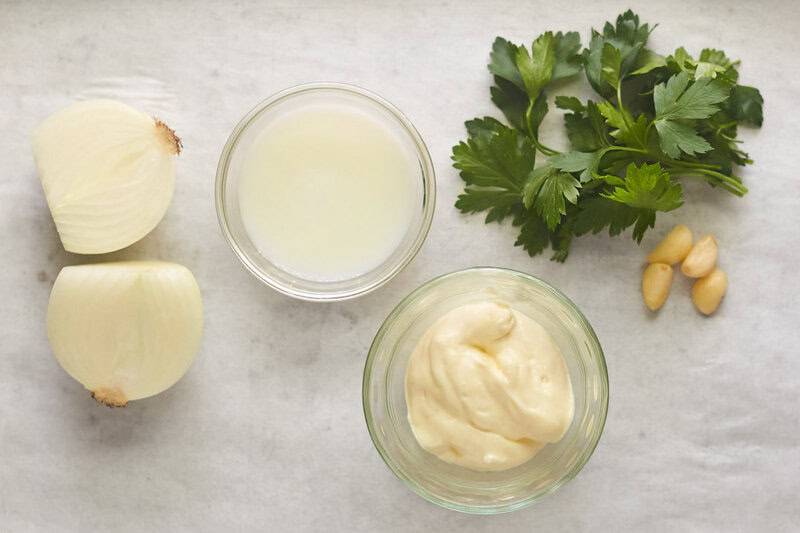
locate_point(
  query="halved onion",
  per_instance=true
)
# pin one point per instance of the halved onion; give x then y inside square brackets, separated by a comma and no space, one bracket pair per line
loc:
[125,330]
[108,173]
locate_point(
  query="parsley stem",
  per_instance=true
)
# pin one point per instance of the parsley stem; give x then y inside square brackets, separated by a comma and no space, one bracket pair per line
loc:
[627,149]
[728,180]
[689,164]
[725,126]
[549,152]
[647,130]
[531,133]
[728,183]
[665,160]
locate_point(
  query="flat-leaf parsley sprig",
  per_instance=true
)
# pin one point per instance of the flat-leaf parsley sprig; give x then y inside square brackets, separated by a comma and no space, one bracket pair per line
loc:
[658,119]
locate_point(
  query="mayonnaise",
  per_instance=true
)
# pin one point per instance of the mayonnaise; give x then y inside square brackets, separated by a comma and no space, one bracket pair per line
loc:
[487,388]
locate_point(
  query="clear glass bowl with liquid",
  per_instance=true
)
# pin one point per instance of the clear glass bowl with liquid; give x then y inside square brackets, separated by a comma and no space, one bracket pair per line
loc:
[234,158]
[456,487]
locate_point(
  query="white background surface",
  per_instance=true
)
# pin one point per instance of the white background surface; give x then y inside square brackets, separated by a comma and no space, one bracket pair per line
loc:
[266,432]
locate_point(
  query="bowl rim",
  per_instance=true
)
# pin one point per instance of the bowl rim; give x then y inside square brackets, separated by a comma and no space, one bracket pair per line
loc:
[484,509]
[428,192]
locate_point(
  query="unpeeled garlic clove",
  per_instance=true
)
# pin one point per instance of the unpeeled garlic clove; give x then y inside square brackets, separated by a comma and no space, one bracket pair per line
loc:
[656,283]
[108,173]
[707,292]
[673,248]
[702,258]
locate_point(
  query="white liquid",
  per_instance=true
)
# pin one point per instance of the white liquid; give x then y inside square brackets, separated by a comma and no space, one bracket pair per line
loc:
[327,191]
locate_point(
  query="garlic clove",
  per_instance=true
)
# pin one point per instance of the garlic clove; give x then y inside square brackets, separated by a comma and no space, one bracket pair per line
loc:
[108,173]
[707,292]
[125,330]
[702,258]
[673,248]
[656,284]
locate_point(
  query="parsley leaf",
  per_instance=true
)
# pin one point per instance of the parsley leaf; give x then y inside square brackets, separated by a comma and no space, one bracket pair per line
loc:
[644,219]
[677,100]
[701,100]
[586,126]
[494,156]
[611,65]
[722,67]
[677,137]
[711,64]
[574,161]
[494,162]
[536,68]
[627,36]
[508,92]
[584,162]
[599,212]
[648,61]
[568,59]
[547,192]
[503,62]
[648,187]
[746,105]
[484,128]
[570,103]
[680,61]
[561,240]
[520,77]
[511,100]
[534,235]
[629,131]
[558,56]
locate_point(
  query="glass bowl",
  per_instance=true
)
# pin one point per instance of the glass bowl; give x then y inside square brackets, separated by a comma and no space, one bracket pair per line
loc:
[452,486]
[229,172]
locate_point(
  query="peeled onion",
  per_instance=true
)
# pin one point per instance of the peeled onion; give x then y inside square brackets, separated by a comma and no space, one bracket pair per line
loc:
[108,173]
[125,330]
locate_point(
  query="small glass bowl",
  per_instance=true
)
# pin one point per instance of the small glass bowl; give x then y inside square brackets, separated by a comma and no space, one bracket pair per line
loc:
[227,198]
[456,487]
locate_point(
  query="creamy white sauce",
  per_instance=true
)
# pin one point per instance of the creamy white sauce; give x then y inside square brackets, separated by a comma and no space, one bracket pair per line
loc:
[487,388]
[328,191]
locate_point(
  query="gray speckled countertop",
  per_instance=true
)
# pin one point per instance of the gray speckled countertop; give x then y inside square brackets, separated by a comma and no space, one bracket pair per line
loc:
[266,432]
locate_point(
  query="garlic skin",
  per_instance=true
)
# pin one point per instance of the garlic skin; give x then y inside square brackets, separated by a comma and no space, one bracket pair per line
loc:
[125,330]
[108,173]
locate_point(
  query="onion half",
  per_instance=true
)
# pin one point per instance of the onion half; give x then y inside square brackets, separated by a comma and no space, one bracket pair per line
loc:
[108,172]
[125,330]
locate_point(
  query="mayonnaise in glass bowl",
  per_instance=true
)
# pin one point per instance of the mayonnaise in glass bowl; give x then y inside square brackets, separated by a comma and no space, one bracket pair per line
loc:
[455,487]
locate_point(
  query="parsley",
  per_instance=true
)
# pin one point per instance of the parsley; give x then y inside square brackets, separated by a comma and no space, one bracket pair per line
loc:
[647,187]
[495,163]
[547,191]
[657,119]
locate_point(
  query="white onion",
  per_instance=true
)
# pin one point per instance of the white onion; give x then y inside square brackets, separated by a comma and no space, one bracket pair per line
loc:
[125,330]
[108,173]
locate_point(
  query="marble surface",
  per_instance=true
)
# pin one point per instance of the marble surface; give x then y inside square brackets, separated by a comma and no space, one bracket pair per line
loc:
[266,432]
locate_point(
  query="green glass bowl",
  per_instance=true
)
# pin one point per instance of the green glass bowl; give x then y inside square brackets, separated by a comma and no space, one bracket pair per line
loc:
[452,486]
